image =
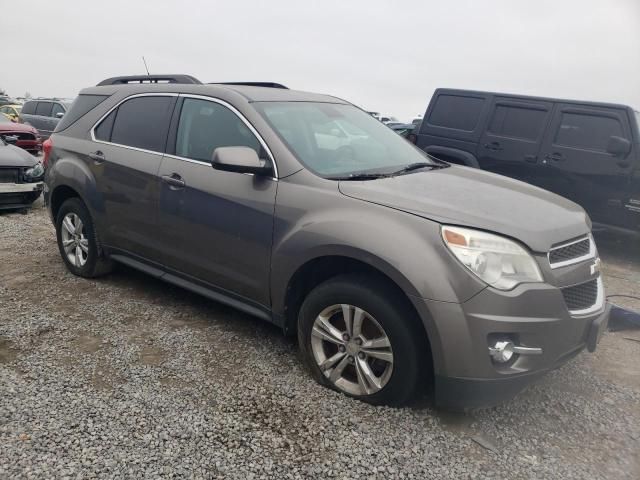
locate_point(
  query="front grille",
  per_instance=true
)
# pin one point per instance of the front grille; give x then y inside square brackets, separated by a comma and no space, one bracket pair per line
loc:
[581,297]
[22,135]
[570,252]
[9,175]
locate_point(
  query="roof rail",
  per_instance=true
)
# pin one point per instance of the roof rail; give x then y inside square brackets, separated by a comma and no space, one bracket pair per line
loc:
[128,79]
[253,84]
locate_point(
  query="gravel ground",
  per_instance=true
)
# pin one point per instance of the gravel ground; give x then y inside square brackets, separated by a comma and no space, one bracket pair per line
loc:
[130,377]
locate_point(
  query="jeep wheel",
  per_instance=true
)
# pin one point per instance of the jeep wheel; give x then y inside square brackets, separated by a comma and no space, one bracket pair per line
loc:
[360,340]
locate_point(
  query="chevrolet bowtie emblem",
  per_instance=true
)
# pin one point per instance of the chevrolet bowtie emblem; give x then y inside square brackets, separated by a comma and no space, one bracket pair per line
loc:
[595,267]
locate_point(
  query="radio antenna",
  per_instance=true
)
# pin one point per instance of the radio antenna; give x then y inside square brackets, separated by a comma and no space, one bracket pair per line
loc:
[145,66]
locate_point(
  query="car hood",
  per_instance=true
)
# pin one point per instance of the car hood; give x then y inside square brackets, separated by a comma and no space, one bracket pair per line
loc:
[474,198]
[12,156]
[16,127]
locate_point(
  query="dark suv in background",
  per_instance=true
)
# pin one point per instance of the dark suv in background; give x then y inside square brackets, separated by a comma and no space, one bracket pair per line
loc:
[44,114]
[393,268]
[585,151]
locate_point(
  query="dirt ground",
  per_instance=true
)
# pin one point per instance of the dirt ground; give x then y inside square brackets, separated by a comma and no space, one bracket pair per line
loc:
[97,329]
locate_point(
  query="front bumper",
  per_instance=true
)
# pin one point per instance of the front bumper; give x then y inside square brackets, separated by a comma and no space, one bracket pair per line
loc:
[19,195]
[533,315]
[21,187]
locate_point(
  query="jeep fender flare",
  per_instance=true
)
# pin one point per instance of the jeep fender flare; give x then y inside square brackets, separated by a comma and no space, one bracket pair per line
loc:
[465,158]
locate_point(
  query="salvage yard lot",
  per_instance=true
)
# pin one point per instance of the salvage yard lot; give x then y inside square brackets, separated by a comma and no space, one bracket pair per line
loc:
[128,376]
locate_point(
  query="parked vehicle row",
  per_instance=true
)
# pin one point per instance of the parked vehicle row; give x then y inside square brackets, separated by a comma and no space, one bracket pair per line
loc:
[394,269]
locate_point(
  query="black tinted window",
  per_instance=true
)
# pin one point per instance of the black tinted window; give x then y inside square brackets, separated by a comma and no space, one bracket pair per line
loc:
[143,122]
[453,111]
[591,132]
[103,131]
[29,108]
[517,122]
[80,107]
[44,109]
[205,126]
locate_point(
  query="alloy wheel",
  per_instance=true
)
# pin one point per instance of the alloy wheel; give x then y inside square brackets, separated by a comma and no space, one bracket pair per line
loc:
[74,241]
[352,349]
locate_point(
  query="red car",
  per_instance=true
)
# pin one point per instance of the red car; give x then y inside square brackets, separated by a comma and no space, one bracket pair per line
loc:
[28,137]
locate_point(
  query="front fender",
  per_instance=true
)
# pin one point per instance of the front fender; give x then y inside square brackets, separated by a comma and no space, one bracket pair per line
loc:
[406,248]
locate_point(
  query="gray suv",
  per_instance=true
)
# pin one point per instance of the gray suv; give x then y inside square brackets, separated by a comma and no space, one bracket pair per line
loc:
[395,270]
[44,114]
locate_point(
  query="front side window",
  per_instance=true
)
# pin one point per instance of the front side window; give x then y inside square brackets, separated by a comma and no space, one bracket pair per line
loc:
[335,140]
[56,109]
[141,122]
[44,109]
[205,126]
[589,132]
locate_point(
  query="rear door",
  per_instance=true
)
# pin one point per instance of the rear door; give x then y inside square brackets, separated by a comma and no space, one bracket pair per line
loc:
[125,160]
[580,167]
[216,226]
[511,139]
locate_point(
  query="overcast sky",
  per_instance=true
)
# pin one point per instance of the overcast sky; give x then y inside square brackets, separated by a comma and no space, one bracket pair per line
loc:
[386,56]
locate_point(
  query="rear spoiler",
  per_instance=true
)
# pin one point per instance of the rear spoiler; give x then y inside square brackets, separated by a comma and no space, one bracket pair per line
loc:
[129,79]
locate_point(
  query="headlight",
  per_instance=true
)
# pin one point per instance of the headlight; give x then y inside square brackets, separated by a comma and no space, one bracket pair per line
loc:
[496,260]
[35,172]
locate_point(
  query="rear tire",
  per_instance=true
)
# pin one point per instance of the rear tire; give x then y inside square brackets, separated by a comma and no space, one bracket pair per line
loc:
[382,359]
[78,241]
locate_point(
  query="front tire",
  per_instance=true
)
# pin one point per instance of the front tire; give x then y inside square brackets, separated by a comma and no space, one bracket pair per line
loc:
[359,337]
[77,241]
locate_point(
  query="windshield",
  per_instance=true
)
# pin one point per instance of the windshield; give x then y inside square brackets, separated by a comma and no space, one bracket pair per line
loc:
[334,140]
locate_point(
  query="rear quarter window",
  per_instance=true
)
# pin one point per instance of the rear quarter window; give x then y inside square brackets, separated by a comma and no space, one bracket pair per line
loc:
[29,108]
[79,108]
[456,112]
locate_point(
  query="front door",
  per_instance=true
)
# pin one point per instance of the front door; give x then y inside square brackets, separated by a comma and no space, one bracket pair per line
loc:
[580,168]
[511,140]
[216,226]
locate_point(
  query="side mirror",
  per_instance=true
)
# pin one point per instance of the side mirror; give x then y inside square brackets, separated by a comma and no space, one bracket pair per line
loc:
[618,146]
[59,114]
[239,159]
[10,139]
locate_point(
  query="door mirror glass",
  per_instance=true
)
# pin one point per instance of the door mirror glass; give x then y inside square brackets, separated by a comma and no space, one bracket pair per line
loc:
[238,159]
[618,146]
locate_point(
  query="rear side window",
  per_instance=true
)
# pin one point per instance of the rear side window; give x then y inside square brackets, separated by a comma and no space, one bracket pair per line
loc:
[79,108]
[456,112]
[29,108]
[517,122]
[205,126]
[44,109]
[584,131]
[142,122]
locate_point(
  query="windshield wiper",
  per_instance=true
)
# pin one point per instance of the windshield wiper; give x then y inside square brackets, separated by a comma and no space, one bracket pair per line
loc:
[418,166]
[361,176]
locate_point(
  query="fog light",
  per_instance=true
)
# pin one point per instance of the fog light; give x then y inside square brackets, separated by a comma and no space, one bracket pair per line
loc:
[501,352]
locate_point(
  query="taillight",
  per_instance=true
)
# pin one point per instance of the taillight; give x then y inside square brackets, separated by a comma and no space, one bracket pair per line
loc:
[47,145]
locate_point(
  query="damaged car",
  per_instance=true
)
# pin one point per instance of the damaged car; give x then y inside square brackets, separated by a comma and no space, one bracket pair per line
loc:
[21,175]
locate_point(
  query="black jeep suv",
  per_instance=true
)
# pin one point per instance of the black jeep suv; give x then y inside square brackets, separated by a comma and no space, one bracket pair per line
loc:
[588,152]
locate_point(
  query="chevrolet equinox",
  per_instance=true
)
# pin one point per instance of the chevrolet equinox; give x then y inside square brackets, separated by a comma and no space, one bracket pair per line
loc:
[394,270]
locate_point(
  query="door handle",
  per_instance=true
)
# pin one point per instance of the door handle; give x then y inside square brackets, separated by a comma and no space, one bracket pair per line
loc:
[98,157]
[555,156]
[174,181]
[495,146]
